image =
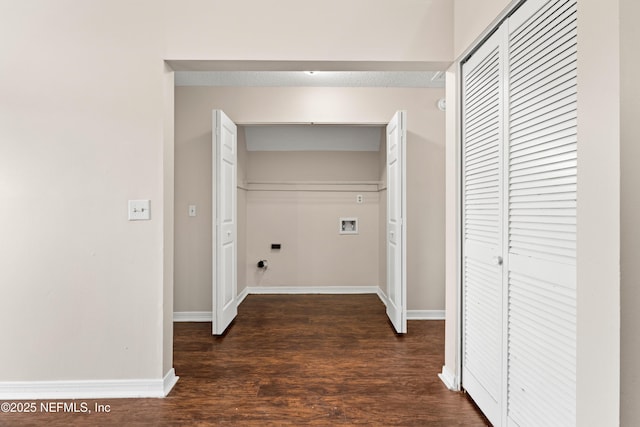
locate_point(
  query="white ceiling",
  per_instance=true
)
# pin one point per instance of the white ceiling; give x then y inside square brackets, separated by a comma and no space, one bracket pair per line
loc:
[419,79]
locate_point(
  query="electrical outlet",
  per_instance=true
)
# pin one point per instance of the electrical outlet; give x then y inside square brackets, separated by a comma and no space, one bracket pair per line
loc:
[192,210]
[359,198]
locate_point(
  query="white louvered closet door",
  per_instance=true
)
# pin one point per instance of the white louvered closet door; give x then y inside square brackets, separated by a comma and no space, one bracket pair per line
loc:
[542,164]
[519,165]
[483,129]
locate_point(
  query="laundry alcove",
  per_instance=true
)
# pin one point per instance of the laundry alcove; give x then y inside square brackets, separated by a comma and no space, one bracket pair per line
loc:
[256,108]
[296,182]
[231,147]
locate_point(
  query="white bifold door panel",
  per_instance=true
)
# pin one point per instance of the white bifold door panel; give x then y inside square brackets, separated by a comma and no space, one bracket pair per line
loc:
[224,149]
[482,217]
[541,247]
[396,223]
[519,218]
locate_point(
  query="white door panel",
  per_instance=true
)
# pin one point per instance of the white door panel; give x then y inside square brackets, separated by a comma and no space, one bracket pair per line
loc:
[396,223]
[541,165]
[483,130]
[224,222]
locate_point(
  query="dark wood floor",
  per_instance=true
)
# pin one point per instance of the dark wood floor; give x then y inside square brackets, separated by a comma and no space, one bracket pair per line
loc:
[296,360]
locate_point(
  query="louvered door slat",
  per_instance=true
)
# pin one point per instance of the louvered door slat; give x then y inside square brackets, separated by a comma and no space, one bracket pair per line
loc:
[476,156]
[542,125]
[549,183]
[537,94]
[541,84]
[543,51]
[546,99]
[484,106]
[550,131]
[542,167]
[548,69]
[553,148]
[546,19]
[567,188]
[534,223]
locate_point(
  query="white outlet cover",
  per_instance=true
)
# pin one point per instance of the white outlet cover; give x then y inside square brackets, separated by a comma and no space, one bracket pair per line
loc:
[192,210]
[348,226]
[139,210]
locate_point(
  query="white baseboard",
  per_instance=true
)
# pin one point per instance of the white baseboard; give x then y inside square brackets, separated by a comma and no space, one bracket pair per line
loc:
[312,290]
[192,316]
[425,314]
[449,379]
[382,296]
[169,380]
[242,295]
[87,389]
[206,316]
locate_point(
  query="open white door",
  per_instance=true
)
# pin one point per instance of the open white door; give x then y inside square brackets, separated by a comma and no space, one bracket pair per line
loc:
[224,149]
[396,223]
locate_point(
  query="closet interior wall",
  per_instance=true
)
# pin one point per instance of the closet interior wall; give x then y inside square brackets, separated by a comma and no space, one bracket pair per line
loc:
[295,199]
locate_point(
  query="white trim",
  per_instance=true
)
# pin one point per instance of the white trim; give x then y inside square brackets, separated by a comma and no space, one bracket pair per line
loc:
[449,379]
[488,31]
[382,296]
[207,316]
[192,316]
[458,191]
[425,315]
[169,380]
[242,295]
[312,290]
[87,389]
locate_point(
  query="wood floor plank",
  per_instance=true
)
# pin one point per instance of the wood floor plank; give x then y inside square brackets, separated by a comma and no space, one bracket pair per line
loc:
[296,360]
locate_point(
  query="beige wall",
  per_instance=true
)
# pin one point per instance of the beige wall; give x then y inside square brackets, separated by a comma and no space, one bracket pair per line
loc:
[81,125]
[313,252]
[630,212]
[472,18]
[334,30]
[193,186]
[304,218]
[242,211]
[168,206]
[425,171]
[312,166]
[598,227]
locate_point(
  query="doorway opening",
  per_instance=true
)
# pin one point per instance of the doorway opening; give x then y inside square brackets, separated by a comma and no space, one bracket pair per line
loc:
[277,202]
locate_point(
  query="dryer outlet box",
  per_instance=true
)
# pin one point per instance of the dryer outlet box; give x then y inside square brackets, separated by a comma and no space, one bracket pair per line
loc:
[348,226]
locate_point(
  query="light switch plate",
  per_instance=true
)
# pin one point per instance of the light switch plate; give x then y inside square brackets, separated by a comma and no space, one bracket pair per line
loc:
[139,210]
